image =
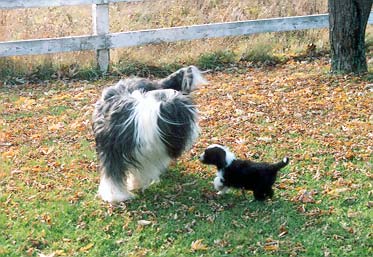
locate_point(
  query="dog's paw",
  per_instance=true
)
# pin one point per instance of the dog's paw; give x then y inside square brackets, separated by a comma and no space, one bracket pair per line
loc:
[223,191]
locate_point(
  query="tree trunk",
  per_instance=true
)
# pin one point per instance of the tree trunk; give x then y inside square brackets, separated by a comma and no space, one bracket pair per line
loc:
[347,23]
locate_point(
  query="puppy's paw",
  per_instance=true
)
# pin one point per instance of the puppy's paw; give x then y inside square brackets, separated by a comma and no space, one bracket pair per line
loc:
[223,191]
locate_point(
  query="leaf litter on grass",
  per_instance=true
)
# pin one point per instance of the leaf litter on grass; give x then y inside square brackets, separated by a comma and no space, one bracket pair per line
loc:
[321,121]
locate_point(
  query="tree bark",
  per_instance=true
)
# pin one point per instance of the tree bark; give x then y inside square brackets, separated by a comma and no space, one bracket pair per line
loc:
[347,23]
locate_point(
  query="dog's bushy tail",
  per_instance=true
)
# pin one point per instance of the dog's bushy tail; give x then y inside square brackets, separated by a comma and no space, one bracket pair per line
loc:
[185,80]
[279,165]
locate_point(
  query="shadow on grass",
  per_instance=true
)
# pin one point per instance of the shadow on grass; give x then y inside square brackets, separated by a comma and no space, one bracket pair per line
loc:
[168,217]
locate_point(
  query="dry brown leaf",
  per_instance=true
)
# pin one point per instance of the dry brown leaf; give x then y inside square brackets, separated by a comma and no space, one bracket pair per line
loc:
[144,222]
[9,154]
[265,139]
[86,248]
[198,246]
[55,127]
[301,209]
[46,255]
[282,230]
[15,172]
[221,243]
[336,192]
[53,254]
[353,214]
[271,245]
[305,196]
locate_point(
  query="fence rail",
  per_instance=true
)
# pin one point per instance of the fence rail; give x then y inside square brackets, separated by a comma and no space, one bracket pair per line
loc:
[15,4]
[102,40]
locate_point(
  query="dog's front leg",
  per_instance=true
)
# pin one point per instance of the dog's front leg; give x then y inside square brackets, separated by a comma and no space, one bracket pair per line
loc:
[243,193]
[223,191]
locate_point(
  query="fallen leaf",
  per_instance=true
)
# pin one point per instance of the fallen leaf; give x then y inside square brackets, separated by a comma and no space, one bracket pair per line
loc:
[16,171]
[301,209]
[47,255]
[336,192]
[198,246]
[120,241]
[60,253]
[353,214]
[221,243]
[86,248]
[55,127]
[144,222]
[305,196]
[271,245]
[46,150]
[9,154]
[265,139]
[282,231]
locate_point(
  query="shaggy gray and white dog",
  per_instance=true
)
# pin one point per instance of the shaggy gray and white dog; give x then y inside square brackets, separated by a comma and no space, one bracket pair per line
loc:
[139,126]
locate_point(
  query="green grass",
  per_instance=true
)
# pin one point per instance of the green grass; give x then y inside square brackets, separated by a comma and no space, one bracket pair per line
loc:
[260,53]
[49,179]
[230,225]
[218,59]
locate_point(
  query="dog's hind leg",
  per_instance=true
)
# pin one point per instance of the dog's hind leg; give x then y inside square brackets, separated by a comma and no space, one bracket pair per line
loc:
[270,193]
[147,174]
[137,181]
[243,192]
[259,195]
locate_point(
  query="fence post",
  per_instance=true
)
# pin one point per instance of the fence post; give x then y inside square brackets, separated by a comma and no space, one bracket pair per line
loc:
[100,21]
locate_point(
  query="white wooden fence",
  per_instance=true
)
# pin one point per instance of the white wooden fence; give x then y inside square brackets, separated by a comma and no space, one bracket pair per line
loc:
[102,40]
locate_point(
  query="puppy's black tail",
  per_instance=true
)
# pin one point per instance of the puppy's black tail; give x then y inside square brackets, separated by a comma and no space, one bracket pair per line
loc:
[279,165]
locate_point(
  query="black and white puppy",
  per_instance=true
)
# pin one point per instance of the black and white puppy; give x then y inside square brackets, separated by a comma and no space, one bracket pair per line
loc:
[139,127]
[241,174]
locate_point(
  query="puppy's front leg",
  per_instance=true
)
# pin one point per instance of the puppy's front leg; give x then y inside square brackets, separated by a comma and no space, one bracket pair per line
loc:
[223,191]
[243,193]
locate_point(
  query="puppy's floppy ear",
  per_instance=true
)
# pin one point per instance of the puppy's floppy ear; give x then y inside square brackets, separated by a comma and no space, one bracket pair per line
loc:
[221,163]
